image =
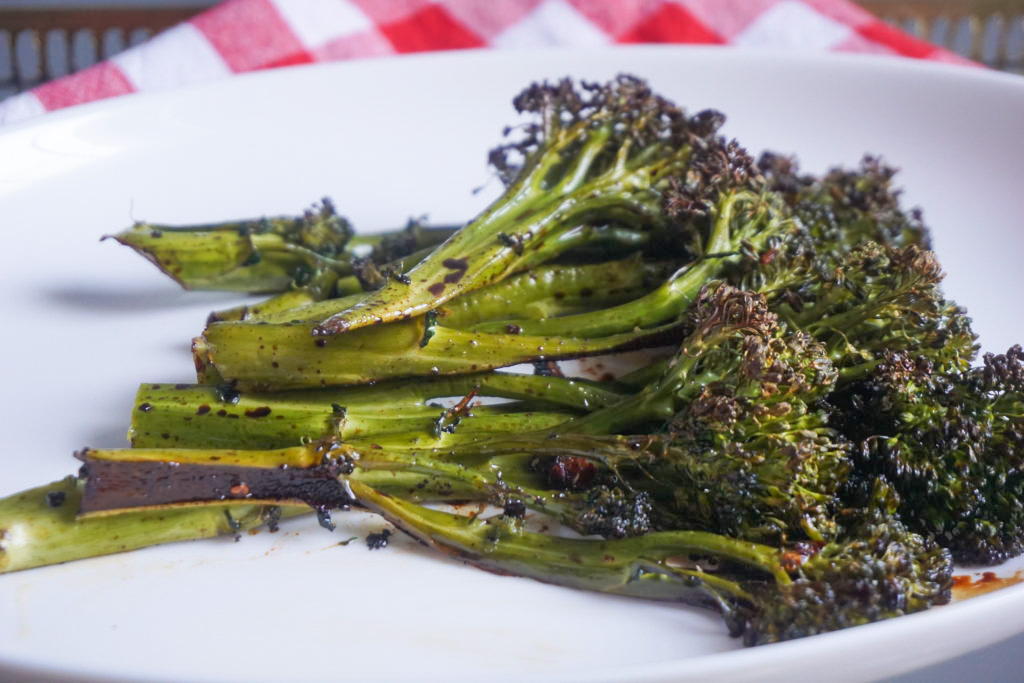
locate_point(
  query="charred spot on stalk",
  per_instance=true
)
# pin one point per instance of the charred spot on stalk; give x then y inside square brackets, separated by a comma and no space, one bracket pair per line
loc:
[378,540]
[514,507]
[547,368]
[566,472]
[457,266]
[234,526]
[514,242]
[271,517]
[450,418]
[613,512]
[429,327]
[227,393]
[323,517]
[336,421]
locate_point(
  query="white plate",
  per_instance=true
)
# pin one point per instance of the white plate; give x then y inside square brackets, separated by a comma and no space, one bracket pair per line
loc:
[85,322]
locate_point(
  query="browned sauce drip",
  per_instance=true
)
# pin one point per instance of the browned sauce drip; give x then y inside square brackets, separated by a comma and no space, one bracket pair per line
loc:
[969,586]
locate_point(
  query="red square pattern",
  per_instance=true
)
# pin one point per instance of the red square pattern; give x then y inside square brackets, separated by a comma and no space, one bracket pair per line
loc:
[488,19]
[390,11]
[366,44]
[669,24]
[250,34]
[901,43]
[95,83]
[430,28]
[615,17]
[727,18]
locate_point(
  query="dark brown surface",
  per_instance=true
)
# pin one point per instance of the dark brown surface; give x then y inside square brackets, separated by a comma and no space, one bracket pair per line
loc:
[114,485]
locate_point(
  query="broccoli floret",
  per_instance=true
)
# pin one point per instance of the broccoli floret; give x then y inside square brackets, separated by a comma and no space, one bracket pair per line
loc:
[884,571]
[952,442]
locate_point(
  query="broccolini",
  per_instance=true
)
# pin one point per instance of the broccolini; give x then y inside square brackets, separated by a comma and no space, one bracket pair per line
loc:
[807,447]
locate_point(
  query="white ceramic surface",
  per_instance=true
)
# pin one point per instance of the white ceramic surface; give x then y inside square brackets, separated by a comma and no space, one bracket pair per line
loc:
[85,322]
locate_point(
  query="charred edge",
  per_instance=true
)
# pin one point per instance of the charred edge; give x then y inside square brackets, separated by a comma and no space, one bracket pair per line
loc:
[329,327]
[514,242]
[458,266]
[227,393]
[323,517]
[378,540]
[429,328]
[547,368]
[451,418]
[118,485]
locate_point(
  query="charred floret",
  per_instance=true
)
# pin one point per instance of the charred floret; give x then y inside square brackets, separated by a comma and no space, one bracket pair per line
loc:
[613,512]
[881,571]
[951,443]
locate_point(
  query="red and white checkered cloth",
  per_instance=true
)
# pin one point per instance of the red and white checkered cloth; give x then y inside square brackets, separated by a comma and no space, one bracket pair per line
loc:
[245,35]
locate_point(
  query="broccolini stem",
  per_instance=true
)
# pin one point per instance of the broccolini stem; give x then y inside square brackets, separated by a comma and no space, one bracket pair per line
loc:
[119,480]
[202,416]
[321,285]
[268,254]
[472,258]
[553,290]
[547,288]
[588,159]
[39,526]
[641,566]
[298,302]
[270,357]
[731,228]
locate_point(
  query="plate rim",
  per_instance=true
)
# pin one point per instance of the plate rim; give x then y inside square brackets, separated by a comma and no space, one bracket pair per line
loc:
[842,60]
[975,609]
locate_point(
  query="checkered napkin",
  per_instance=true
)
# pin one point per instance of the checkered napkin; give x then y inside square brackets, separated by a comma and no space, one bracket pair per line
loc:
[246,35]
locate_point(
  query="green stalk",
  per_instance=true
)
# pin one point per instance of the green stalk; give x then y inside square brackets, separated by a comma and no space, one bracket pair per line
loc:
[267,254]
[124,479]
[471,259]
[544,291]
[215,258]
[270,357]
[656,402]
[204,416]
[554,290]
[568,183]
[641,566]
[39,526]
[321,286]
[731,229]
[261,422]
